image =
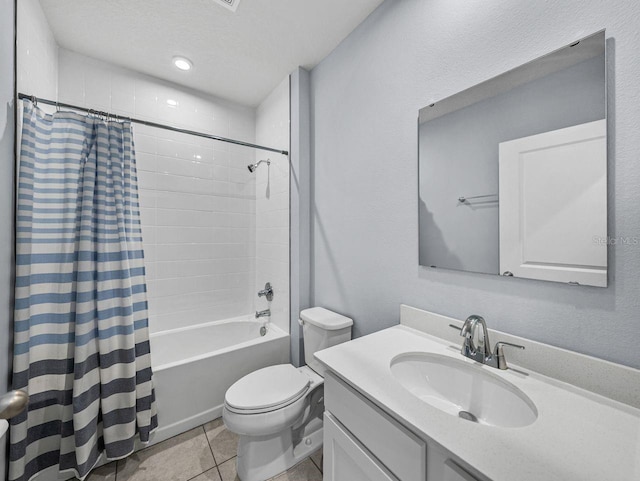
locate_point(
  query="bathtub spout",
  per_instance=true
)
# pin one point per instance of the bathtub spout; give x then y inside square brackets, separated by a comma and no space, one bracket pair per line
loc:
[265,313]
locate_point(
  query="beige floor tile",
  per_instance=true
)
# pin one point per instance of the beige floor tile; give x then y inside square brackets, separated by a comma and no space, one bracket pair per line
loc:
[228,470]
[211,475]
[103,473]
[317,459]
[304,471]
[177,459]
[224,443]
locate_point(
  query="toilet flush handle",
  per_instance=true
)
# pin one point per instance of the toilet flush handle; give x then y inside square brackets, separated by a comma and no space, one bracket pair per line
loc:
[301,322]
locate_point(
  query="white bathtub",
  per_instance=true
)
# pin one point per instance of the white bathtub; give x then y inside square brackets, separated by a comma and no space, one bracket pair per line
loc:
[194,366]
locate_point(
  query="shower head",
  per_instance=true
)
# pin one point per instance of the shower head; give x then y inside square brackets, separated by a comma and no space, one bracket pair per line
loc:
[252,167]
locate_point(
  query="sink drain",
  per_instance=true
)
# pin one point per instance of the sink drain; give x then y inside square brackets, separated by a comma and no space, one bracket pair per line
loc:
[468,416]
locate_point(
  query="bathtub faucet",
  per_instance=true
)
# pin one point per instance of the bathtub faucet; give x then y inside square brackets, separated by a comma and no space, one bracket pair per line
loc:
[265,313]
[266,292]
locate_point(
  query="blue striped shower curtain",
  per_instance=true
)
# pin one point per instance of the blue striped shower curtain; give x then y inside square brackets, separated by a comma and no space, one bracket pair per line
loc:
[81,331]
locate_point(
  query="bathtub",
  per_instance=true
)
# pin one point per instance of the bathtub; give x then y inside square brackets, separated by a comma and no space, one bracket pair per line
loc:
[194,366]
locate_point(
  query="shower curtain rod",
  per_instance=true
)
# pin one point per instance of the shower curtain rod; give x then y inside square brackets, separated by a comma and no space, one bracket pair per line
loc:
[37,100]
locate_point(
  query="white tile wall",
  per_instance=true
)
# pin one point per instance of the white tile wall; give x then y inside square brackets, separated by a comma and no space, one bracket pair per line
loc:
[198,203]
[272,203]
[37,66]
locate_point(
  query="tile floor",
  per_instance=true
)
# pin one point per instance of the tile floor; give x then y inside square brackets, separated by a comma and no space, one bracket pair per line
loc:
[206,453]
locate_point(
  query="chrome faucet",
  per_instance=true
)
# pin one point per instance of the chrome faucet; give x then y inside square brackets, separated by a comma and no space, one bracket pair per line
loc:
[265,313]
[469,349]
[482,352]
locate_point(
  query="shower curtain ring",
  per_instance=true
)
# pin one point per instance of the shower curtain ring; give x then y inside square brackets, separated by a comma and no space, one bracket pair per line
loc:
[34,100]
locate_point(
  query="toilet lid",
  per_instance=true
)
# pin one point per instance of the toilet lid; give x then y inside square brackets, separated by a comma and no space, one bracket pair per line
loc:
[267,388]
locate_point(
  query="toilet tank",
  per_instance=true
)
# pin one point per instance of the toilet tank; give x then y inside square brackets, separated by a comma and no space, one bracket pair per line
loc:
[321,329]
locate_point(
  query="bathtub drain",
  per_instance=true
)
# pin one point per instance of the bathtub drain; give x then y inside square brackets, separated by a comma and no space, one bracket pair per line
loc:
[263,331]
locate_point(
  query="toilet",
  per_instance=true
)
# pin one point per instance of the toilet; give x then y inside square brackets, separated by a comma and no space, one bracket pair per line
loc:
[277,411]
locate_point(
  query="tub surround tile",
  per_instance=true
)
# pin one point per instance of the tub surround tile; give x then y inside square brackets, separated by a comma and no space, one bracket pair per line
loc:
[178,459]
[272,202]
[224,443]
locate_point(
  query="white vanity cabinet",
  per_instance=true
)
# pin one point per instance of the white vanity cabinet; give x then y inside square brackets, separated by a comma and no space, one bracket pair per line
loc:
[395,425]
[363,443]
[346,458]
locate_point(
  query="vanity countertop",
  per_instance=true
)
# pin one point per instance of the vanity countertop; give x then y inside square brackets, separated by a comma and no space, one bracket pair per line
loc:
[578,435]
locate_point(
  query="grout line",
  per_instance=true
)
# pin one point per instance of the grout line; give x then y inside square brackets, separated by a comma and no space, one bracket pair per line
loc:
[212,194]
[210,448]
[205,471]
[215,465]
[314,463]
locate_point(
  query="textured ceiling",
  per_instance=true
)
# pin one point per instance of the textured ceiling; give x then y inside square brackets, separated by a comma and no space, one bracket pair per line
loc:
[240,56]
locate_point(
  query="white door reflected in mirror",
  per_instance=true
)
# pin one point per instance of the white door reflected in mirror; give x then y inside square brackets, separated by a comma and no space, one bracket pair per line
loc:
[553,209]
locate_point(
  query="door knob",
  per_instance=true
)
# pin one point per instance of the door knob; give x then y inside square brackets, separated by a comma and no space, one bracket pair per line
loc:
[12,404]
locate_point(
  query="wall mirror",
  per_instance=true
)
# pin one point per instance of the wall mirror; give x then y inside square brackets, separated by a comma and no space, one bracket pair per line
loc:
[513,172]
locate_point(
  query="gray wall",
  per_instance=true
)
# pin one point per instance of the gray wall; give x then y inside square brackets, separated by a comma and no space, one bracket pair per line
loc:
[459,156]
[365,97]
[299,156]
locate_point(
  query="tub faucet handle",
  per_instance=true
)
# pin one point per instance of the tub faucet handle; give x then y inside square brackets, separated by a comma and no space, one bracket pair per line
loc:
[266,292]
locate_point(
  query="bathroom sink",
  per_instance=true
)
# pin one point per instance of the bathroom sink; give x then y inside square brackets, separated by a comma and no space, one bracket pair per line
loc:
[463,389]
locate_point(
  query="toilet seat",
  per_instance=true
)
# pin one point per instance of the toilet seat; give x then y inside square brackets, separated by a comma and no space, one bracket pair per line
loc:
[267,389]
[273,420]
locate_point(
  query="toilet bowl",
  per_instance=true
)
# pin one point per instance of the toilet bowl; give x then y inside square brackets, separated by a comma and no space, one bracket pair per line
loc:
[277,411]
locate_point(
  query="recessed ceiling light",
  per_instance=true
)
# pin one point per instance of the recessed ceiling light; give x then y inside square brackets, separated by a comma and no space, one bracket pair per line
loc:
[182,63]
[172,103]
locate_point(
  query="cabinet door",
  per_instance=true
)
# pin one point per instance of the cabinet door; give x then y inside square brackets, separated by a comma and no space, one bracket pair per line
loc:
[345,459]
[453,472]
[399,450]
